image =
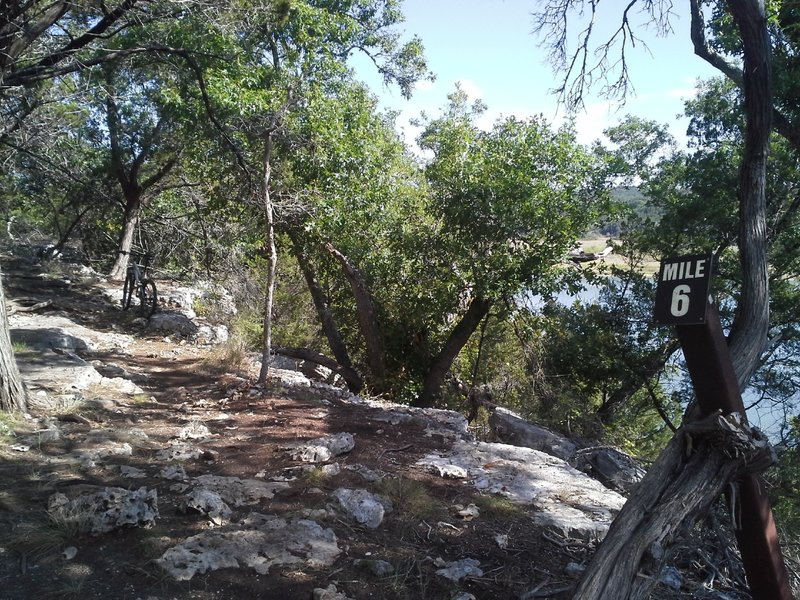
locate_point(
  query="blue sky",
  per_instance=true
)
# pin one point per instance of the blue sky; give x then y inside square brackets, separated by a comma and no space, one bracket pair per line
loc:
[488,46]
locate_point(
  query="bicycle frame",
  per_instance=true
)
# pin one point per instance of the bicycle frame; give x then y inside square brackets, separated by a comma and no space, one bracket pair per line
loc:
[137,283]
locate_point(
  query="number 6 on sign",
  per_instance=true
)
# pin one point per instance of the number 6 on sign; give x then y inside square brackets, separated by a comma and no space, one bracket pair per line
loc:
[682,291]
[680,301]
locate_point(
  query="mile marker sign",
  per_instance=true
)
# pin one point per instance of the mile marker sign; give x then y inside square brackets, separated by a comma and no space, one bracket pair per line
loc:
[682,291]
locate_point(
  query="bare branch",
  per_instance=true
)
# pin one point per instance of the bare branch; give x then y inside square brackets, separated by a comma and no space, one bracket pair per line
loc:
[606,64]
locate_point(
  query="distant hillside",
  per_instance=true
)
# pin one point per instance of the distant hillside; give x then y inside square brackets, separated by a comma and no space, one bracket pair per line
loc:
[631,197]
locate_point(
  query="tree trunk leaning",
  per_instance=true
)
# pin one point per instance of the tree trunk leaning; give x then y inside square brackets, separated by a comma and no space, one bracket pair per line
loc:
[326,318]
[367,319]
[459,336]
[692,472]
[13,393]
[129,222]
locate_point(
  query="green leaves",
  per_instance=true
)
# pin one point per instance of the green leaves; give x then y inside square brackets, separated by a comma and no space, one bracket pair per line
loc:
[511,199]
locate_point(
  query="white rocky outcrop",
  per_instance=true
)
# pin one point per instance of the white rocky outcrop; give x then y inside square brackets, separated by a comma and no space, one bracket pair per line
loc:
[259,542]
[565,499]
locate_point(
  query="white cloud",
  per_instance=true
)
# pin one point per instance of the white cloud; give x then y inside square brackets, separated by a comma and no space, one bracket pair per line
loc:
[424,85]
[471,88]
[590,123]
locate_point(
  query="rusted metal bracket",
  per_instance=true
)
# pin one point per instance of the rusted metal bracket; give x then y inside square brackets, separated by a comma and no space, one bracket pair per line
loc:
[714,380]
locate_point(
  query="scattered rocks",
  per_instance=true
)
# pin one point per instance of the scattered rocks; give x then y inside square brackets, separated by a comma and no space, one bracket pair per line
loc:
[173,472]
[379,568]
[329,593]
[107,509]
[259,542]
[323,449]
[467,512]
[366,473]
[459,569]
[179,452]
[366,508]
[130,472]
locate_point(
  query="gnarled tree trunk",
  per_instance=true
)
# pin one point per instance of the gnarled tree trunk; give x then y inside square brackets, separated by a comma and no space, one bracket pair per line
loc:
[13,393]
[367,319]
[458,337]
[687,477]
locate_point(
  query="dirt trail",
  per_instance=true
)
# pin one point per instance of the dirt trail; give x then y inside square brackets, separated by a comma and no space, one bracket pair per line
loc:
[248,428]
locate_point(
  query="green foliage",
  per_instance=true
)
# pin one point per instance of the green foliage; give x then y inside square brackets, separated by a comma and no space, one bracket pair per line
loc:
[511,200]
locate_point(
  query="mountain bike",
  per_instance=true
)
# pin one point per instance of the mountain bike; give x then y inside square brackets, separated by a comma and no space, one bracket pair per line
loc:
[139,285]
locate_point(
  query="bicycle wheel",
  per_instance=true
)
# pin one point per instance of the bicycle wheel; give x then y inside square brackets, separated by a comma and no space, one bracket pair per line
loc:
[127,291]
[148,298]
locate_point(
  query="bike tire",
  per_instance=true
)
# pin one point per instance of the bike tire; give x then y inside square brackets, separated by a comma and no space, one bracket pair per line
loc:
[127,291]
[148,298]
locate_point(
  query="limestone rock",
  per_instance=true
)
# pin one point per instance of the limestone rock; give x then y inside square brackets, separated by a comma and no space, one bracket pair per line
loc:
[568,501]
[611,467]
[459,569]
[107,509]
[240,492]
[329,593]
[366,508]
[259,542]
[510,428]
[206,502]
[379,568]
[171,322]
[324,448]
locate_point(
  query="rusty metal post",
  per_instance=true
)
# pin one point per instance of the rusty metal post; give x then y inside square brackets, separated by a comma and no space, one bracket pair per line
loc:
[711,370]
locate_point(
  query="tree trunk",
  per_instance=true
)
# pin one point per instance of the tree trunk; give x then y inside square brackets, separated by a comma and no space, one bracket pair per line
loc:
[272,257]
[129,222]
[13,393]
[748,336]
[349,375]
[455,342]
[368,320]
[327,320]
[607,412]
[675,491]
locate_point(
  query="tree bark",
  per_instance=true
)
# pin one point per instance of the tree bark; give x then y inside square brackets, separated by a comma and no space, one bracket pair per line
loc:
[686,478]
[272,258]
[13,393]
[748,337]
[368,320]
[441,364]
[130,220]
[129,177]
[327,320]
